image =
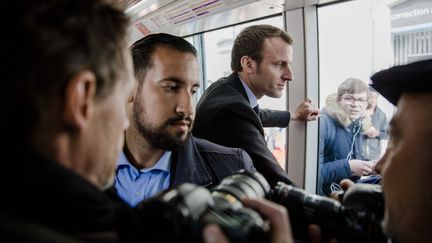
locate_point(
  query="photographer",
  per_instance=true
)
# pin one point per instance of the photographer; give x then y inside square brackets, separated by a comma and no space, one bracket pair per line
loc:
[65,87]
[407,166]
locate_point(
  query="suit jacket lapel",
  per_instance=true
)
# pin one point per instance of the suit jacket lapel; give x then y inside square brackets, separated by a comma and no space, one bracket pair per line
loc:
[235,82]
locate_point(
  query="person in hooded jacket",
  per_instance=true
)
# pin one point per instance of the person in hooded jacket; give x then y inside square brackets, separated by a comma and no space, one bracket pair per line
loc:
[341,127]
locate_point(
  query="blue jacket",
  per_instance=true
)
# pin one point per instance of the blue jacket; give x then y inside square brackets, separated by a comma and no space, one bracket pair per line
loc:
[335,145]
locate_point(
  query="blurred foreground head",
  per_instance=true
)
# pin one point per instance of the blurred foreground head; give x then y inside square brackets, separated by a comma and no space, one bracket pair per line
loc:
[407,165]
[65,82]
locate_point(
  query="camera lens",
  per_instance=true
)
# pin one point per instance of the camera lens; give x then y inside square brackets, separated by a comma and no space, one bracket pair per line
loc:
[357,219]
[243,184]
[179,214]
[305,209]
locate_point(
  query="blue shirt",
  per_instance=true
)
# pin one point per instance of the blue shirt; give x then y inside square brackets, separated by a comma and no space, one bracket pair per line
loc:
[135,185]
[251,97]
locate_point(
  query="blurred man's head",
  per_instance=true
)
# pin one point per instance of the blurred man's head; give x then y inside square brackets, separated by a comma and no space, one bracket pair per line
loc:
[67,80]
[407,166]
[352,97]
[263,54]
[167,72]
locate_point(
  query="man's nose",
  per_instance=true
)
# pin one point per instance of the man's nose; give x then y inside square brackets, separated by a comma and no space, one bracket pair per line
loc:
[186,104]
[287,75]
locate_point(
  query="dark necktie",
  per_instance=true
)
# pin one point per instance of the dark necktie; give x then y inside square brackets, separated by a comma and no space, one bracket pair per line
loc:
[256,109]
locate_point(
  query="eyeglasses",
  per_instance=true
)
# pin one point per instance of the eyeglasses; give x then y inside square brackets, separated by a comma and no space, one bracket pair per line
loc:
[351,100]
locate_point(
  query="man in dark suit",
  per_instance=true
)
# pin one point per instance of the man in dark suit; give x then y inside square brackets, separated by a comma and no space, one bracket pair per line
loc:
[228,112]
[159,151]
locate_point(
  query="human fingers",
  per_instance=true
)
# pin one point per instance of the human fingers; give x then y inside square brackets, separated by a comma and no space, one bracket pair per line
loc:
[315,236]
[314,232]
[312,111]
[337,195]
[314,114]
[370,164]
[346,183]
[278,217]
[213,234]
[369,167]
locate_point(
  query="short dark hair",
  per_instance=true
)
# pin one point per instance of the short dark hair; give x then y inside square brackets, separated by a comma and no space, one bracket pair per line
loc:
[143,49]
[50,42]
[250,43]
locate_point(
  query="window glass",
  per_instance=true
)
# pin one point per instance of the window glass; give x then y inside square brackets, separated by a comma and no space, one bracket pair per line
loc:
[189,39]
[357,39]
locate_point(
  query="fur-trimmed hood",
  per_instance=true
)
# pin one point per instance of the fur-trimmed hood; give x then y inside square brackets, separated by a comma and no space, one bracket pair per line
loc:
[333,109]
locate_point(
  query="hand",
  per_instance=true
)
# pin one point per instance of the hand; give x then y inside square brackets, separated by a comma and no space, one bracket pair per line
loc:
[278,217]
[314,233]
[372,132]
[276,214]
[306,111]
[361,167]
[213,234]
[344,184]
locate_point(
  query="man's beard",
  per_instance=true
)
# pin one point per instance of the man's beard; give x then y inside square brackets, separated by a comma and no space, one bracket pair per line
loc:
[159,137]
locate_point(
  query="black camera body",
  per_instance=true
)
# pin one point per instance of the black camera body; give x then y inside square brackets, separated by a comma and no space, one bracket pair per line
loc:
[179,214]
[356,219]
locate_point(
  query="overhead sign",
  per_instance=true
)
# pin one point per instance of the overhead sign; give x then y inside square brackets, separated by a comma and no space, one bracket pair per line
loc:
[411,13]
[183,11]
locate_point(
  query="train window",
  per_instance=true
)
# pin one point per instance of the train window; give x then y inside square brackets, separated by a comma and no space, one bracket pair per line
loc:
[189,39]
[357,39]
[194,40]
[217,46]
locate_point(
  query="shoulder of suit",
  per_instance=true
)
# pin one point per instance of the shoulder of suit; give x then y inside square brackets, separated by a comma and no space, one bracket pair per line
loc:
[206,146]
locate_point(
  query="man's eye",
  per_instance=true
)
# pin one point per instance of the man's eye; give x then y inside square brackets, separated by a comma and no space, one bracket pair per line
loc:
[171,88]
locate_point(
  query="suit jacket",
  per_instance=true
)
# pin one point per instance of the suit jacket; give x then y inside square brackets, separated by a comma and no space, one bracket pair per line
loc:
[205,163]
[224,116]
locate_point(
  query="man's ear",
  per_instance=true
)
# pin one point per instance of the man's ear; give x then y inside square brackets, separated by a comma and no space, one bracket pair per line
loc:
[248,65]
[79,100]
[131,98]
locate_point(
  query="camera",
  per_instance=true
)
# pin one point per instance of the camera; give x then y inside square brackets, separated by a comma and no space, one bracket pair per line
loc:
[356,219]
[179,214]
